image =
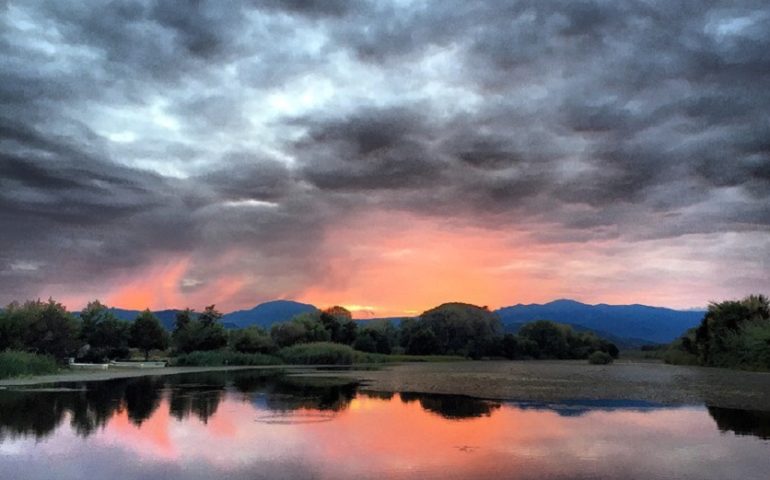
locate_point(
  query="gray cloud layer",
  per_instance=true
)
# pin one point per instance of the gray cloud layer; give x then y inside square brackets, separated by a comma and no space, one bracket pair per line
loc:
[134,130]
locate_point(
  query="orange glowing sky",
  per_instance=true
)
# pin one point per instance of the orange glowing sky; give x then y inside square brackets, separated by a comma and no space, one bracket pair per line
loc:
[389,264]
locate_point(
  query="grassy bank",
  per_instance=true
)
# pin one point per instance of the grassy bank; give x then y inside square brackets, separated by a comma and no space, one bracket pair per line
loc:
[316,353]
[218,358]
[15,364]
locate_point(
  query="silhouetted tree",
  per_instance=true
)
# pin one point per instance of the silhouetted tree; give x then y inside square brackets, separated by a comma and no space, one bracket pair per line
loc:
[50,330]
[147,334]
[210,316]
[373,338]
[14,322]
[182,319]
[462,329]
[103,333]
[338,321]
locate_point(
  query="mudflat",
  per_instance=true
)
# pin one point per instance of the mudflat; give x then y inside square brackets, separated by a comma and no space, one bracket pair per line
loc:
[561,380]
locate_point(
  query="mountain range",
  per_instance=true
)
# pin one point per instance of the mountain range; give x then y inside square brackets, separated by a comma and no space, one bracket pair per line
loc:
[263,315]
[638,323]
[626,325]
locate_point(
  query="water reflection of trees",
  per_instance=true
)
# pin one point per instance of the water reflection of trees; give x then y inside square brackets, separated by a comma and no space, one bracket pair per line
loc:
[197,395]
[453,407]
[742,422]
[294,393]
[89,406]
[30,414]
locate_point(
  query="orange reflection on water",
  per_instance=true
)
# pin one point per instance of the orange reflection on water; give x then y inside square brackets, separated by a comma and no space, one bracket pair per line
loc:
[152,437]
[251,426]
[404,439]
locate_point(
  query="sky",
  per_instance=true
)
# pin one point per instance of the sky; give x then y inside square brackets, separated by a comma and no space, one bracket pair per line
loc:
[387,156]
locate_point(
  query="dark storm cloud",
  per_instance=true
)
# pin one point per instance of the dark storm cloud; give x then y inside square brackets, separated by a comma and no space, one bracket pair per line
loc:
[649,95]
[374,149]
[605,119]
[310,8]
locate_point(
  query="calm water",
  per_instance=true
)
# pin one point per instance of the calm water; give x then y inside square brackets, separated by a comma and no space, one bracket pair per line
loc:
[245,425]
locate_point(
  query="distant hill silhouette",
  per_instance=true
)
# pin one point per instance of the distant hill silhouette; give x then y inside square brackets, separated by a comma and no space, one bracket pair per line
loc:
[639,323]
[626,325]
[264,314]
[268,313]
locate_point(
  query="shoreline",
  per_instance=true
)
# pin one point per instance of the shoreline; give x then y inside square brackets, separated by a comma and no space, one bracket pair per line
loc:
[523,381]
[101,375]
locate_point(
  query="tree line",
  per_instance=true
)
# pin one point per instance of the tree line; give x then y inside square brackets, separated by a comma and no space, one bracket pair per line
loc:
[95,334]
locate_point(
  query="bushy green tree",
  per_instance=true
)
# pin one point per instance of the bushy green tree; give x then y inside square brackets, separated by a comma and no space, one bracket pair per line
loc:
[546,339]
[103,334]
[14,322]
[182,319]
[550,338]
[303,328]
[252,340]
[203,333]
[422,340]
[733,333]
[510,347]
[147,334]
[50,329]
[200,337]
[339,322]
[210,316]
[374,338]
[462,329]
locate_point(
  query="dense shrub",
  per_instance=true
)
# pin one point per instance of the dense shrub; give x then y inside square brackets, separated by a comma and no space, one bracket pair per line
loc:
[319,353]
[678,357]
[374,339]
[199,336]
[555,340]
[14,363]
[732,334]
[304,328]
[600,358]
[751,345]
[216,358]
[252,340]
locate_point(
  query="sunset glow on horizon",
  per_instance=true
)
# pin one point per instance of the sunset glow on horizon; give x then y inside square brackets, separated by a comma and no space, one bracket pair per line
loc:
[374,272]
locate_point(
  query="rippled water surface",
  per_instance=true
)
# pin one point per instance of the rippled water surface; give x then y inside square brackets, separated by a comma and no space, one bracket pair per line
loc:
[247,425]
